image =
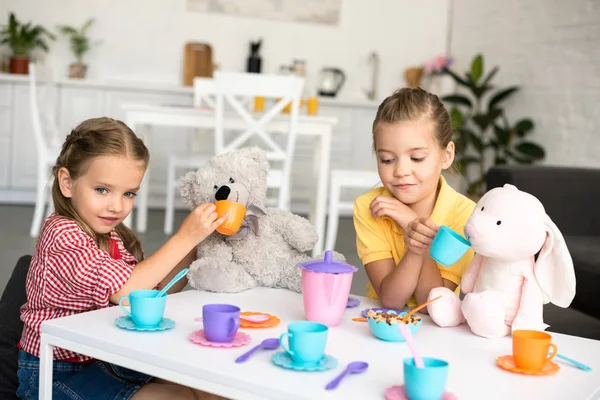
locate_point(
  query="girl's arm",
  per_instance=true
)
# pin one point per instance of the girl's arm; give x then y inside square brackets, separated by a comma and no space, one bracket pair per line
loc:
[185,263]
[148,273]
[395,284]
[430,278]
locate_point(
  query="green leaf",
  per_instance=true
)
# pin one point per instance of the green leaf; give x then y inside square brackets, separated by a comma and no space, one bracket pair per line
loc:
[457,78]
[485,120]
[458,99]
[476,187]
[502,135]
[523,127]
[489,76]
[477,68]
[456,118]
[474,139]
[501,95]
[460,142]
[520,158]
[531,149]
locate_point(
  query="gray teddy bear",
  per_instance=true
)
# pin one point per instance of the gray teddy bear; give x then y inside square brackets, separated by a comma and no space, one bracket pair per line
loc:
[269,245]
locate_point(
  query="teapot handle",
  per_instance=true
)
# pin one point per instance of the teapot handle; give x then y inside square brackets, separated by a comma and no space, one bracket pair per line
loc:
[342,76]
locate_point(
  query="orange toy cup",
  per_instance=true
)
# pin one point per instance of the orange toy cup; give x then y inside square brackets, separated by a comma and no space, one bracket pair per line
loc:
[530,349]
[312,106]
[236,211]
[259,104]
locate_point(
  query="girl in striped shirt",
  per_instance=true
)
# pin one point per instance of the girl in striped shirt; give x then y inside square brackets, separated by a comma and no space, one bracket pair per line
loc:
[86,259]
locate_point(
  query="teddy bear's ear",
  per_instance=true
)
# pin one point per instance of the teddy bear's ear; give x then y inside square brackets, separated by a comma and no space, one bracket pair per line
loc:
[186,187]
[256,153]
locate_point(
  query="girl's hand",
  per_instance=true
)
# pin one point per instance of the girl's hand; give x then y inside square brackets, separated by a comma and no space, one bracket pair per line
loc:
[419,234]
[385,206]
[200,223]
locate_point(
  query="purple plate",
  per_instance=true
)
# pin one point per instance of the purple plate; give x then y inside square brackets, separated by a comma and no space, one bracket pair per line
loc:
[377,309]
[352,302]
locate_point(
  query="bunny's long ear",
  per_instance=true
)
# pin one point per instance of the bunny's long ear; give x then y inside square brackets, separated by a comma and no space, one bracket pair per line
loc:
[554,268]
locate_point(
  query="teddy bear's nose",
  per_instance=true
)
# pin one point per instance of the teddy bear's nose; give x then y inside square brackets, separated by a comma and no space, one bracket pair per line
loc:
[223,193]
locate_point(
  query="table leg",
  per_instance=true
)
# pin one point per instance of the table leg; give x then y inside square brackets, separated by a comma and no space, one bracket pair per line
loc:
[322,183]
[46,350]
[142,195]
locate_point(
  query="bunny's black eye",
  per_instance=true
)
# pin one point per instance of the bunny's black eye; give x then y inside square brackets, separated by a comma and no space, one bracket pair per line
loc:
[231,180]
[482,208]
[215,187]
[498,223]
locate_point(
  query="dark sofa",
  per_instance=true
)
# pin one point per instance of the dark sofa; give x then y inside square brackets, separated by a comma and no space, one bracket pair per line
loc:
[570,197]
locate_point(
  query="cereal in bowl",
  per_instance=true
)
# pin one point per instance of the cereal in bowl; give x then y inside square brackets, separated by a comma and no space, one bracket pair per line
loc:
[391,318]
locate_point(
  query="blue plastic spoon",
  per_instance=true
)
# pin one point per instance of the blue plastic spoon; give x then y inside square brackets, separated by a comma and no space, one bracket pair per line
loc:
[575,363]
[269,344]
[173,281]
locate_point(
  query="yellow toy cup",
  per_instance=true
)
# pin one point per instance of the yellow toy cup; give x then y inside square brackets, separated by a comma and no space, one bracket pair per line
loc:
[236,212]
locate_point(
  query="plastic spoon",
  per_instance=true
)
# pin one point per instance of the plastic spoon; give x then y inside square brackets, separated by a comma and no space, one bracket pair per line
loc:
[575,363]
[173,281]
[268,344]
[355,367]
[414,310]
[249,318]
[408,337]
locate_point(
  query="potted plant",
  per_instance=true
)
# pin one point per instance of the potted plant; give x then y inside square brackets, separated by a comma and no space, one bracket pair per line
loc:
[483,134]
[80,45]
[23,39]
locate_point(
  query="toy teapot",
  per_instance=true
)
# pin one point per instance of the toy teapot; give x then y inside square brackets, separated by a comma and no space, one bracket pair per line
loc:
[325,288]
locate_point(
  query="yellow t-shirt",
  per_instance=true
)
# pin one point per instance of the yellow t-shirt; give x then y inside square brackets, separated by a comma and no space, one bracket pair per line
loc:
[381,238]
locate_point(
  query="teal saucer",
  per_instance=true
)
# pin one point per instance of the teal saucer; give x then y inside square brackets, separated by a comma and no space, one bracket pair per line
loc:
[284,360]
[127,323]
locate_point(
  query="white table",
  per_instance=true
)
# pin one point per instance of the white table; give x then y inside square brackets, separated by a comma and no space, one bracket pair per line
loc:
[170,355]
[137,115]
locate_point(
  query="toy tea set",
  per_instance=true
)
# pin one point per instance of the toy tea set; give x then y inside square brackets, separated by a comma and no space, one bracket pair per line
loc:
[326,286]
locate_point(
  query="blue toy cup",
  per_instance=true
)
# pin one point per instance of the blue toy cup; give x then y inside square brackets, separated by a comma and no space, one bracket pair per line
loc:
[146,309]
[426,383]
[306,341]
[448,246]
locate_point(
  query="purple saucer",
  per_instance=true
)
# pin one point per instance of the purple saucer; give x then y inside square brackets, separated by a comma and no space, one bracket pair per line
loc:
[377,309]
[352,302]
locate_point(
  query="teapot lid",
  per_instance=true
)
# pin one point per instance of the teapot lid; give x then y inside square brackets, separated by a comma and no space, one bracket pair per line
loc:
[328,265]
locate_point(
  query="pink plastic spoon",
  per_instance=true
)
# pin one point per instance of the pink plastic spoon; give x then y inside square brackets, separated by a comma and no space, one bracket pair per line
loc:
[249,318]
[408,337]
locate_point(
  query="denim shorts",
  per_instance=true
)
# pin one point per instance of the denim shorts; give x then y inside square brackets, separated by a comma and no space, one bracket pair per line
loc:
[95,381]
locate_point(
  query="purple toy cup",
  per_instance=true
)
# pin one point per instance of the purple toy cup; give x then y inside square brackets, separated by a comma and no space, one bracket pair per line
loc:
[221,322]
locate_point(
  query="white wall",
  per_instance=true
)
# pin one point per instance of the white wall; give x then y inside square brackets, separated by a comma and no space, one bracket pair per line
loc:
[550,48]
[144,39]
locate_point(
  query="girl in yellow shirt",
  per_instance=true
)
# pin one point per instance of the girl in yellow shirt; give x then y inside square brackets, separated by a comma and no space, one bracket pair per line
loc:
[396,223]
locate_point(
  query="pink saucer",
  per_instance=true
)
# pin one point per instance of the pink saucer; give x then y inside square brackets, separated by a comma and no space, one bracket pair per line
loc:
[199,337]
[397,393]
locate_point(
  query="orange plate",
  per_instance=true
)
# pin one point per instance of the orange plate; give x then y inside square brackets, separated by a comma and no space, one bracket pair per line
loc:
[272,321]
[508,363]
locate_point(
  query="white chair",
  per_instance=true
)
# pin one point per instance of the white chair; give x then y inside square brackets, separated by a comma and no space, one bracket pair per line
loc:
[342,179]
[204,96]
[47,142]
[287,89]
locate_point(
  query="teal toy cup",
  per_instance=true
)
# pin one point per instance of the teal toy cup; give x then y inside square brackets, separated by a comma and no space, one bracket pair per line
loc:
[306,342]
[426,383]
[448,246]
[146,309]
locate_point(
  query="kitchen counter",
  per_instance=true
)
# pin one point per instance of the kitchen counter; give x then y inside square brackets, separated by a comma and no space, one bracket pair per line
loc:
[163,87]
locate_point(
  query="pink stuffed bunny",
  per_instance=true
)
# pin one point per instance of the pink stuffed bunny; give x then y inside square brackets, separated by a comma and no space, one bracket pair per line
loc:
[504,286]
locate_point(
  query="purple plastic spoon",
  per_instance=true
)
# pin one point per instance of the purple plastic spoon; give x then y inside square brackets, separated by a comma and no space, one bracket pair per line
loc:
[355,367]
[269,344]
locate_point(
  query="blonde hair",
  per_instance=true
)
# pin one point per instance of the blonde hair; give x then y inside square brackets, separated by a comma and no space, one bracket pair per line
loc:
[90,139]
[409,104]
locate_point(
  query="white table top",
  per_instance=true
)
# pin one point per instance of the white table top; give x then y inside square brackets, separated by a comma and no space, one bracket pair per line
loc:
[473,373]
[185,110]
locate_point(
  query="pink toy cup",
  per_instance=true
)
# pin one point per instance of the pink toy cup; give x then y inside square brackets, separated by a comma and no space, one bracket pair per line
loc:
[325,289]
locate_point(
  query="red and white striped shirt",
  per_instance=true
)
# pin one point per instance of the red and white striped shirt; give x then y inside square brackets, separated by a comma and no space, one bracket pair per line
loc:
[69,275]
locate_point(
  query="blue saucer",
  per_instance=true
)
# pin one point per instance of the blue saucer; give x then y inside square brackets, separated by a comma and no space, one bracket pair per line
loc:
[127,323]
[284,360]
